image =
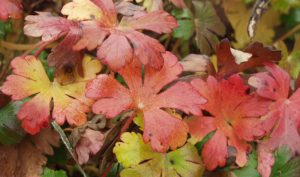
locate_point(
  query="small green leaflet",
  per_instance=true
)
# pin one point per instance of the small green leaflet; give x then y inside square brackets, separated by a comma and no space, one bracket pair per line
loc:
[54,173]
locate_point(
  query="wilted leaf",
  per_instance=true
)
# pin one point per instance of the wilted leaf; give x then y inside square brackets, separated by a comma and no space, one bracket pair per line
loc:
[230,62]
[81,10]
[90,143]
[208,26]
[140,160]
[27,158]
[153,5]
[196,63]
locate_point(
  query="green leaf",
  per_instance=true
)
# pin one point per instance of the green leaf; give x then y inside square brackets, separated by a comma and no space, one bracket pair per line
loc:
[5,27]
[185,30]
[285,5]
[54,173]
[250,169]
[115,170]
[186,27]
[201,143]
[208,26]
[60,156]
[49,70]
[11,131]
[285,166]
[291,62]
[291,19]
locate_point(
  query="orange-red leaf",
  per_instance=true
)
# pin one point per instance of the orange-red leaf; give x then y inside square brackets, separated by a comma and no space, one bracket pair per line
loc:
[233,114]
[283,120]
[143,95]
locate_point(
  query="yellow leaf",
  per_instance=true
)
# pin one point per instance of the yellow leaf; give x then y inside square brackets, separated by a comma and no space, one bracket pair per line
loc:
[82,10]
[238,15]
[290,61]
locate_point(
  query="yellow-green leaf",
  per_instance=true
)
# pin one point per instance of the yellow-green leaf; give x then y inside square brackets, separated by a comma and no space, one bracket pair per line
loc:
[140,160]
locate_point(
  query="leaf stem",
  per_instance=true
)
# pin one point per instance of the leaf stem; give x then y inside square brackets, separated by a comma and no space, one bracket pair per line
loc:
[289,33]
[14,46]
[127,123]
[67,143]
[107,170]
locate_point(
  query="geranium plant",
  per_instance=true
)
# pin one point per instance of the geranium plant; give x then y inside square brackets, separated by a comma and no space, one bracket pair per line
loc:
[149,88]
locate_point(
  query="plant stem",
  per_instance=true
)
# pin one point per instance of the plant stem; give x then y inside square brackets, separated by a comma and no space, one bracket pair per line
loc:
[107,170]
[14,46]
[127,123]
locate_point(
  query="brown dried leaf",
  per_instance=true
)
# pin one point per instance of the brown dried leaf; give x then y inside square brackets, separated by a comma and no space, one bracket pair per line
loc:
[227,64]
[27,158]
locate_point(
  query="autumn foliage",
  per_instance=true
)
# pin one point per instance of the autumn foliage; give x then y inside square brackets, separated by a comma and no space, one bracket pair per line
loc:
[113,86]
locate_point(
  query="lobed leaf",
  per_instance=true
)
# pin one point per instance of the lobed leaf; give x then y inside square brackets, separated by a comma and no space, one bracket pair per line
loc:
[143,95]
[69,103]
[140,160]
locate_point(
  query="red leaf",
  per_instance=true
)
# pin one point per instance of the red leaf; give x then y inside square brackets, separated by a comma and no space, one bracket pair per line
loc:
[92,36]
[115,51]
[10,8]
[157,21]
[112,38]
[228,66]
[113,98]
[146,49]
[233,114]
[283,119]
[52,28]
[47,26]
